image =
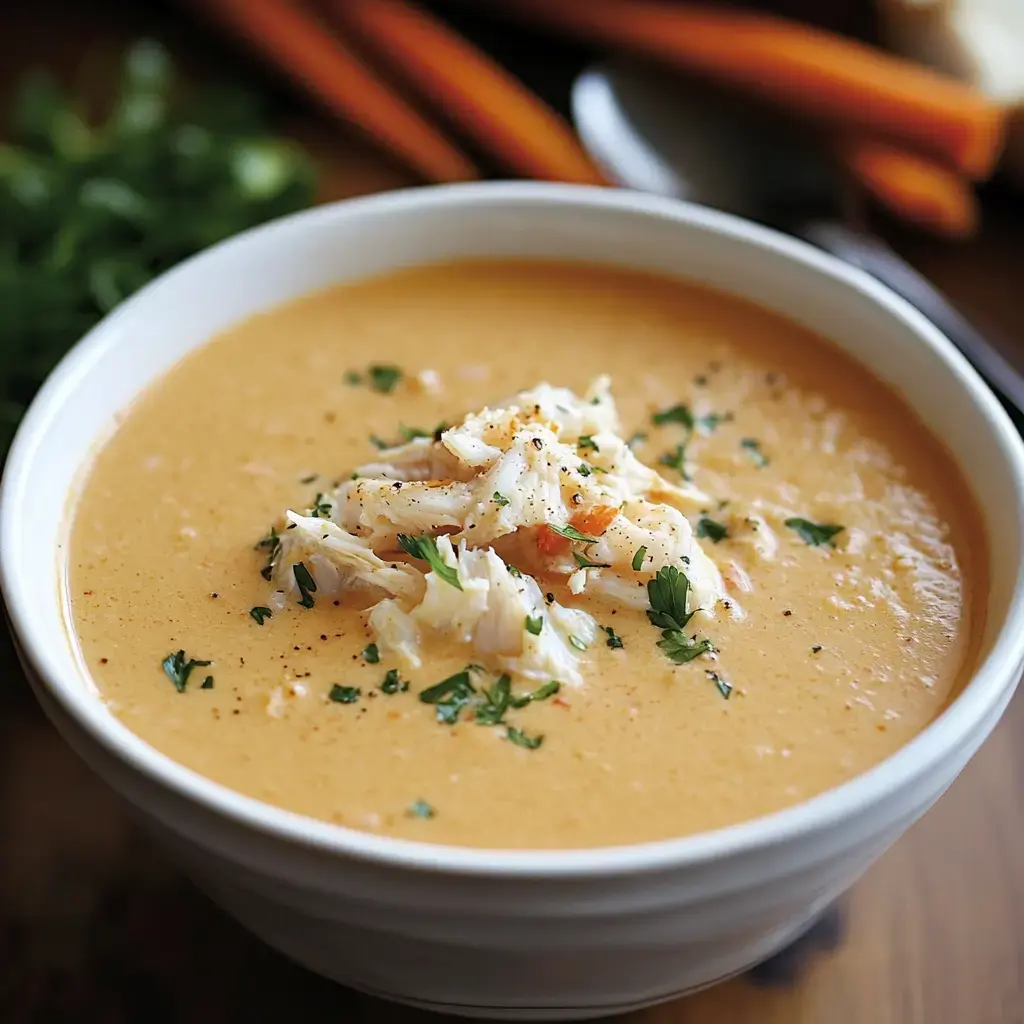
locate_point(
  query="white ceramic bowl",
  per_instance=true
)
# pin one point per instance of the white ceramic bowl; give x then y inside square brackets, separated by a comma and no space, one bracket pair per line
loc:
[499,933]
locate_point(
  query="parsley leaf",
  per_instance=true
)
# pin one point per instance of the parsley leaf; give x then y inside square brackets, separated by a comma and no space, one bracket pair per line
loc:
[724,687]
[495,702]
[306,584]
[709,422]
[425,548]
[520,738]
[638,558]
[668,593]
[711,529]
[500,500]
[178,669]
[392,683]
[371,654]
[420,809]
[614,641]
[675,414]
[587,443]
[411,433]
[383,378]
[272,544]
[260,614]
[585,563]
[541,693]
[344,694]
[534,624]
[571,533]
[450,696]
[513,571]
[681,648]
[321,507]
[815,534]
[753,448]
[675,460]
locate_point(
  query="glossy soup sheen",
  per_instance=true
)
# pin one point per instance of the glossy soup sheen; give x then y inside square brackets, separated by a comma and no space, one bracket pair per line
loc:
[843,655]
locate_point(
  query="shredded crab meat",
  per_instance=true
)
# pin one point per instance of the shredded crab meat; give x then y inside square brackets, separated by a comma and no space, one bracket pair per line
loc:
[545,479]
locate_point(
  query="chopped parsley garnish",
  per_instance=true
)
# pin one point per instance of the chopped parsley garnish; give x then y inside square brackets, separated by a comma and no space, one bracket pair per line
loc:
[344,694]
[260,614]
[393,683]
[681,648]
[411,433]
[499,499]
[577,643]
[584,469]
[585,563]
[636,440]
[815,534]
[614,641]
[450,696]
[521,739]
[668,593]
[425,548]
[541,693]
[271,543]
[587,443]
[371,654]
[676,414]
[420,809]
[571,533]
[638,559]
[724,687]
[709,422]
[495,701]
[306,584]
[379,443]
[312,478]
[675,459]
[514,572]
[383,378]
[178,669]
[711,529]
[534,624]
[753,448]
[207,683]
[321,507]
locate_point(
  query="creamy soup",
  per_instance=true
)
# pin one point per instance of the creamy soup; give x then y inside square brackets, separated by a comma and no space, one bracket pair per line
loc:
[835,563]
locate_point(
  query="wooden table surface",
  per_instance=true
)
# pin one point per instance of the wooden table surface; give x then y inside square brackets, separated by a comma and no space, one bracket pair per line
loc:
[96,926]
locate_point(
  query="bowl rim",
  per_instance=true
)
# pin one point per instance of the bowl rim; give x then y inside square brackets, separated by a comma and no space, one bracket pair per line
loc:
[989,684]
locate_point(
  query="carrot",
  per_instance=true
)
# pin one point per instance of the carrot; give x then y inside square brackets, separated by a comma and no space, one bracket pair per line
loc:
[912,187]
[495,110]
[799,67]
[551,543]
[594,521]
[306,51]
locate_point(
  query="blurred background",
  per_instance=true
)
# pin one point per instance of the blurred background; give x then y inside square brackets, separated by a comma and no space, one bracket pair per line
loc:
[136,133]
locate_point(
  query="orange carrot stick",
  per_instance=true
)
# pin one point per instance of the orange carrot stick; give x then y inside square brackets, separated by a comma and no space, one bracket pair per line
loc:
[503,117]
[912,187]
[306,51]
[802,68]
